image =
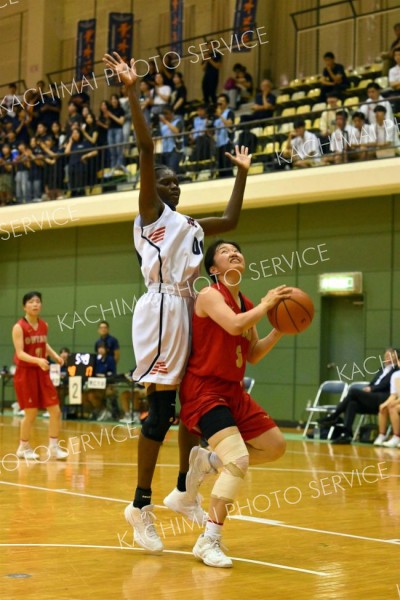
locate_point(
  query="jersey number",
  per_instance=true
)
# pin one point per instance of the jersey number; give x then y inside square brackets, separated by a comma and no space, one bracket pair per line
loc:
[239,357]
[38,352]
[197,247]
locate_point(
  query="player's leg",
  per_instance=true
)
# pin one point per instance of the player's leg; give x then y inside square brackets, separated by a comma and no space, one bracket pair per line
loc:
[24,448]
[267,447]
[54,432]
[382,423]
[394,415]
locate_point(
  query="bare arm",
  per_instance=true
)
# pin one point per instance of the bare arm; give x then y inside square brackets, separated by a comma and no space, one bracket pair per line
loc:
[53,354]
[150,205]
[18,341]
[210,303]
[259,348]
[230,218]
[117,354]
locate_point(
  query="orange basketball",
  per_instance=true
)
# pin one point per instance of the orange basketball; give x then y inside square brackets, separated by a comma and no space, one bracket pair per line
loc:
[294,314]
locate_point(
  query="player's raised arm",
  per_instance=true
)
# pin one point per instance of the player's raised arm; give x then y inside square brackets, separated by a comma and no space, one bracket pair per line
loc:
[150,205]
[230,218]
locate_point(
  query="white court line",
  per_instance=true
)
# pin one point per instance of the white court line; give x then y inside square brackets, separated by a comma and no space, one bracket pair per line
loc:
[280,524]
[335,456]
[37,487]
[246,560]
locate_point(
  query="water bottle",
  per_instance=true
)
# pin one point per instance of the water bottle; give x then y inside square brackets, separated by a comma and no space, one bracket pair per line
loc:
[317,433]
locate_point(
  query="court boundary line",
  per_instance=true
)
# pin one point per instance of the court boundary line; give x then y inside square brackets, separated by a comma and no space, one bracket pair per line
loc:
[182,552]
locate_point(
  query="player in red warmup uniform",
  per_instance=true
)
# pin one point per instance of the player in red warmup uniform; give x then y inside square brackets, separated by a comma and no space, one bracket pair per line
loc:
[213,402]
[32,381]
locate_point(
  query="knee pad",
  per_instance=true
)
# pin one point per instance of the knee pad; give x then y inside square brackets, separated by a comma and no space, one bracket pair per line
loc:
[234,455]
[161,415]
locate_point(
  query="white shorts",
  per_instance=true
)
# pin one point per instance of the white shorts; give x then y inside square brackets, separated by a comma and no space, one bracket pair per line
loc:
[161,335]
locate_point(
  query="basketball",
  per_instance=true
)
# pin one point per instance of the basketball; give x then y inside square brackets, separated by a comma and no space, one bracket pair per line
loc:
[294,314]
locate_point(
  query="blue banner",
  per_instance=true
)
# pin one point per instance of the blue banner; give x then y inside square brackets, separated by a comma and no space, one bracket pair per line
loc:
[244,23]
[120,34]
[85,45]
[176,26]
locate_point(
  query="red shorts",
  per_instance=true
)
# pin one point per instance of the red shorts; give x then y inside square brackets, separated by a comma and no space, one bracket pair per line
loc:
[198,395]
[34,388]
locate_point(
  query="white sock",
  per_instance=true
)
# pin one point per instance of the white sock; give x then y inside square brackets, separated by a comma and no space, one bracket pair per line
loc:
[215,461]
[53,442]
[396,438]
[24,444]
[213,530]
[381,437]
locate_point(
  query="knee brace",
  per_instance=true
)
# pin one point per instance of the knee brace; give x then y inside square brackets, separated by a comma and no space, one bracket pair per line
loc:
[233,453]
[161,415]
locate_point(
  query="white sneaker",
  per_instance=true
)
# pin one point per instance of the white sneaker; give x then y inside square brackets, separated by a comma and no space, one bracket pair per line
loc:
[144,532]
[380,439]
[57,453]
[182,502]
[104,415]
[208,549]
[21,413]
[199,467]
[15,408]
[46,415]
[27,453]
[393,443]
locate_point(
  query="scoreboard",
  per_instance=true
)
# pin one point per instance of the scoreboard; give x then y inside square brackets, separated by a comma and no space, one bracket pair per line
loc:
[82,365]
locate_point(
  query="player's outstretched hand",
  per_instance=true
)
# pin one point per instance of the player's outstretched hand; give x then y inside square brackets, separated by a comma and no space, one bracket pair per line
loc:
[44,364]
[241,158]
[275,295]
[126,73]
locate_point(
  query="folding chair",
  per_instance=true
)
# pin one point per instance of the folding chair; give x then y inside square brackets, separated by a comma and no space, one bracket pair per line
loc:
[327,387]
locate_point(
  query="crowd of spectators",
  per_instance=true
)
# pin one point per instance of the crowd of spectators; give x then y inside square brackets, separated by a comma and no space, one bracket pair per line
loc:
[45,157]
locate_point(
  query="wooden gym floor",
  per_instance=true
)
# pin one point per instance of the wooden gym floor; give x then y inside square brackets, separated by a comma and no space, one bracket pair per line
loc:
[321,523]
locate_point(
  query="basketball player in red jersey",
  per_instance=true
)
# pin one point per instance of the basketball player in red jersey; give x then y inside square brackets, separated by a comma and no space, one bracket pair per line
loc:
[32,382]
[170,249]
[213,402]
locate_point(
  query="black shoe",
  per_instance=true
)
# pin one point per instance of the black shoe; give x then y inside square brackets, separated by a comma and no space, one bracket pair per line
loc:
[328,420]
[344,438]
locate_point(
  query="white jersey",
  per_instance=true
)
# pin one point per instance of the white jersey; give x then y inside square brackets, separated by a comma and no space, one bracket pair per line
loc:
[170,249]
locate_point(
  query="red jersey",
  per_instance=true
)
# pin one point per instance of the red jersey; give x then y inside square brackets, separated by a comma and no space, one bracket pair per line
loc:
[35,341]
[215,352]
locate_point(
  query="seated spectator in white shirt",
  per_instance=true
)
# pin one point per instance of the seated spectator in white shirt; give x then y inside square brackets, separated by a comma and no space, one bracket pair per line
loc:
[360,138]
[375,98]
[327,122]
[302,146]
[161,95]
[340,139]
[394,79]
[384,135]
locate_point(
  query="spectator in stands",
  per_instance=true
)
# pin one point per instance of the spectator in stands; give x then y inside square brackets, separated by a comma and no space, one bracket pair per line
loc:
[375,98]
[90,133]
[340,140]
[149,78]
[116,119]
[366,401]
[385,135]
[179,94]
[12,140]
[53,169]
[172,145]
[389,55]
[127,126]
[244,83]
[394,80]
[6,175]
[58,135]
[334,77]
[22,129]
[36,171]
[73,118]
[49,107]
[390,408]
[146,99]
[161,95]
[102,123]
[223,135]
[77,170]
[211,66]
[302,146]
[22,165]
[360,138]
[167,69]
[80,98]
[200,136]
[9,100]
[111,342]
[41,133]
[327,123]
[265,102]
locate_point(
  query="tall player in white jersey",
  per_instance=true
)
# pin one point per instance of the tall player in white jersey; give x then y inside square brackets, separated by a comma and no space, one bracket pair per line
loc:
[170,249]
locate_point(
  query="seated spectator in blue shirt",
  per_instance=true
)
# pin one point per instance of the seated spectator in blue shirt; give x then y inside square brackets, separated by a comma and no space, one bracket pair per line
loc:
[223,134]
[105,363]
[264,105]
[200,137]
[172,144]
[334,77]
[111,342]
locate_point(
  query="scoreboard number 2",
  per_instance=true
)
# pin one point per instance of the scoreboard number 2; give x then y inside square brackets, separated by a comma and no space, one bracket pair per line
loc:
[75,390]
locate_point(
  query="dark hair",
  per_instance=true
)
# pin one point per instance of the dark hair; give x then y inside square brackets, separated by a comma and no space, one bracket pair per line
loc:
[104,323]
[160,169]
[299,122]
[359,115]
[396,25]
[224,96]
[329,55]
[179,74]
[167,108]
[65,349]
[342,113]
[202,105]
[102,345]
[396,49]
[28,296]
[332,95]
[373,85]
[210,253]
[380,108]
[13,84]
